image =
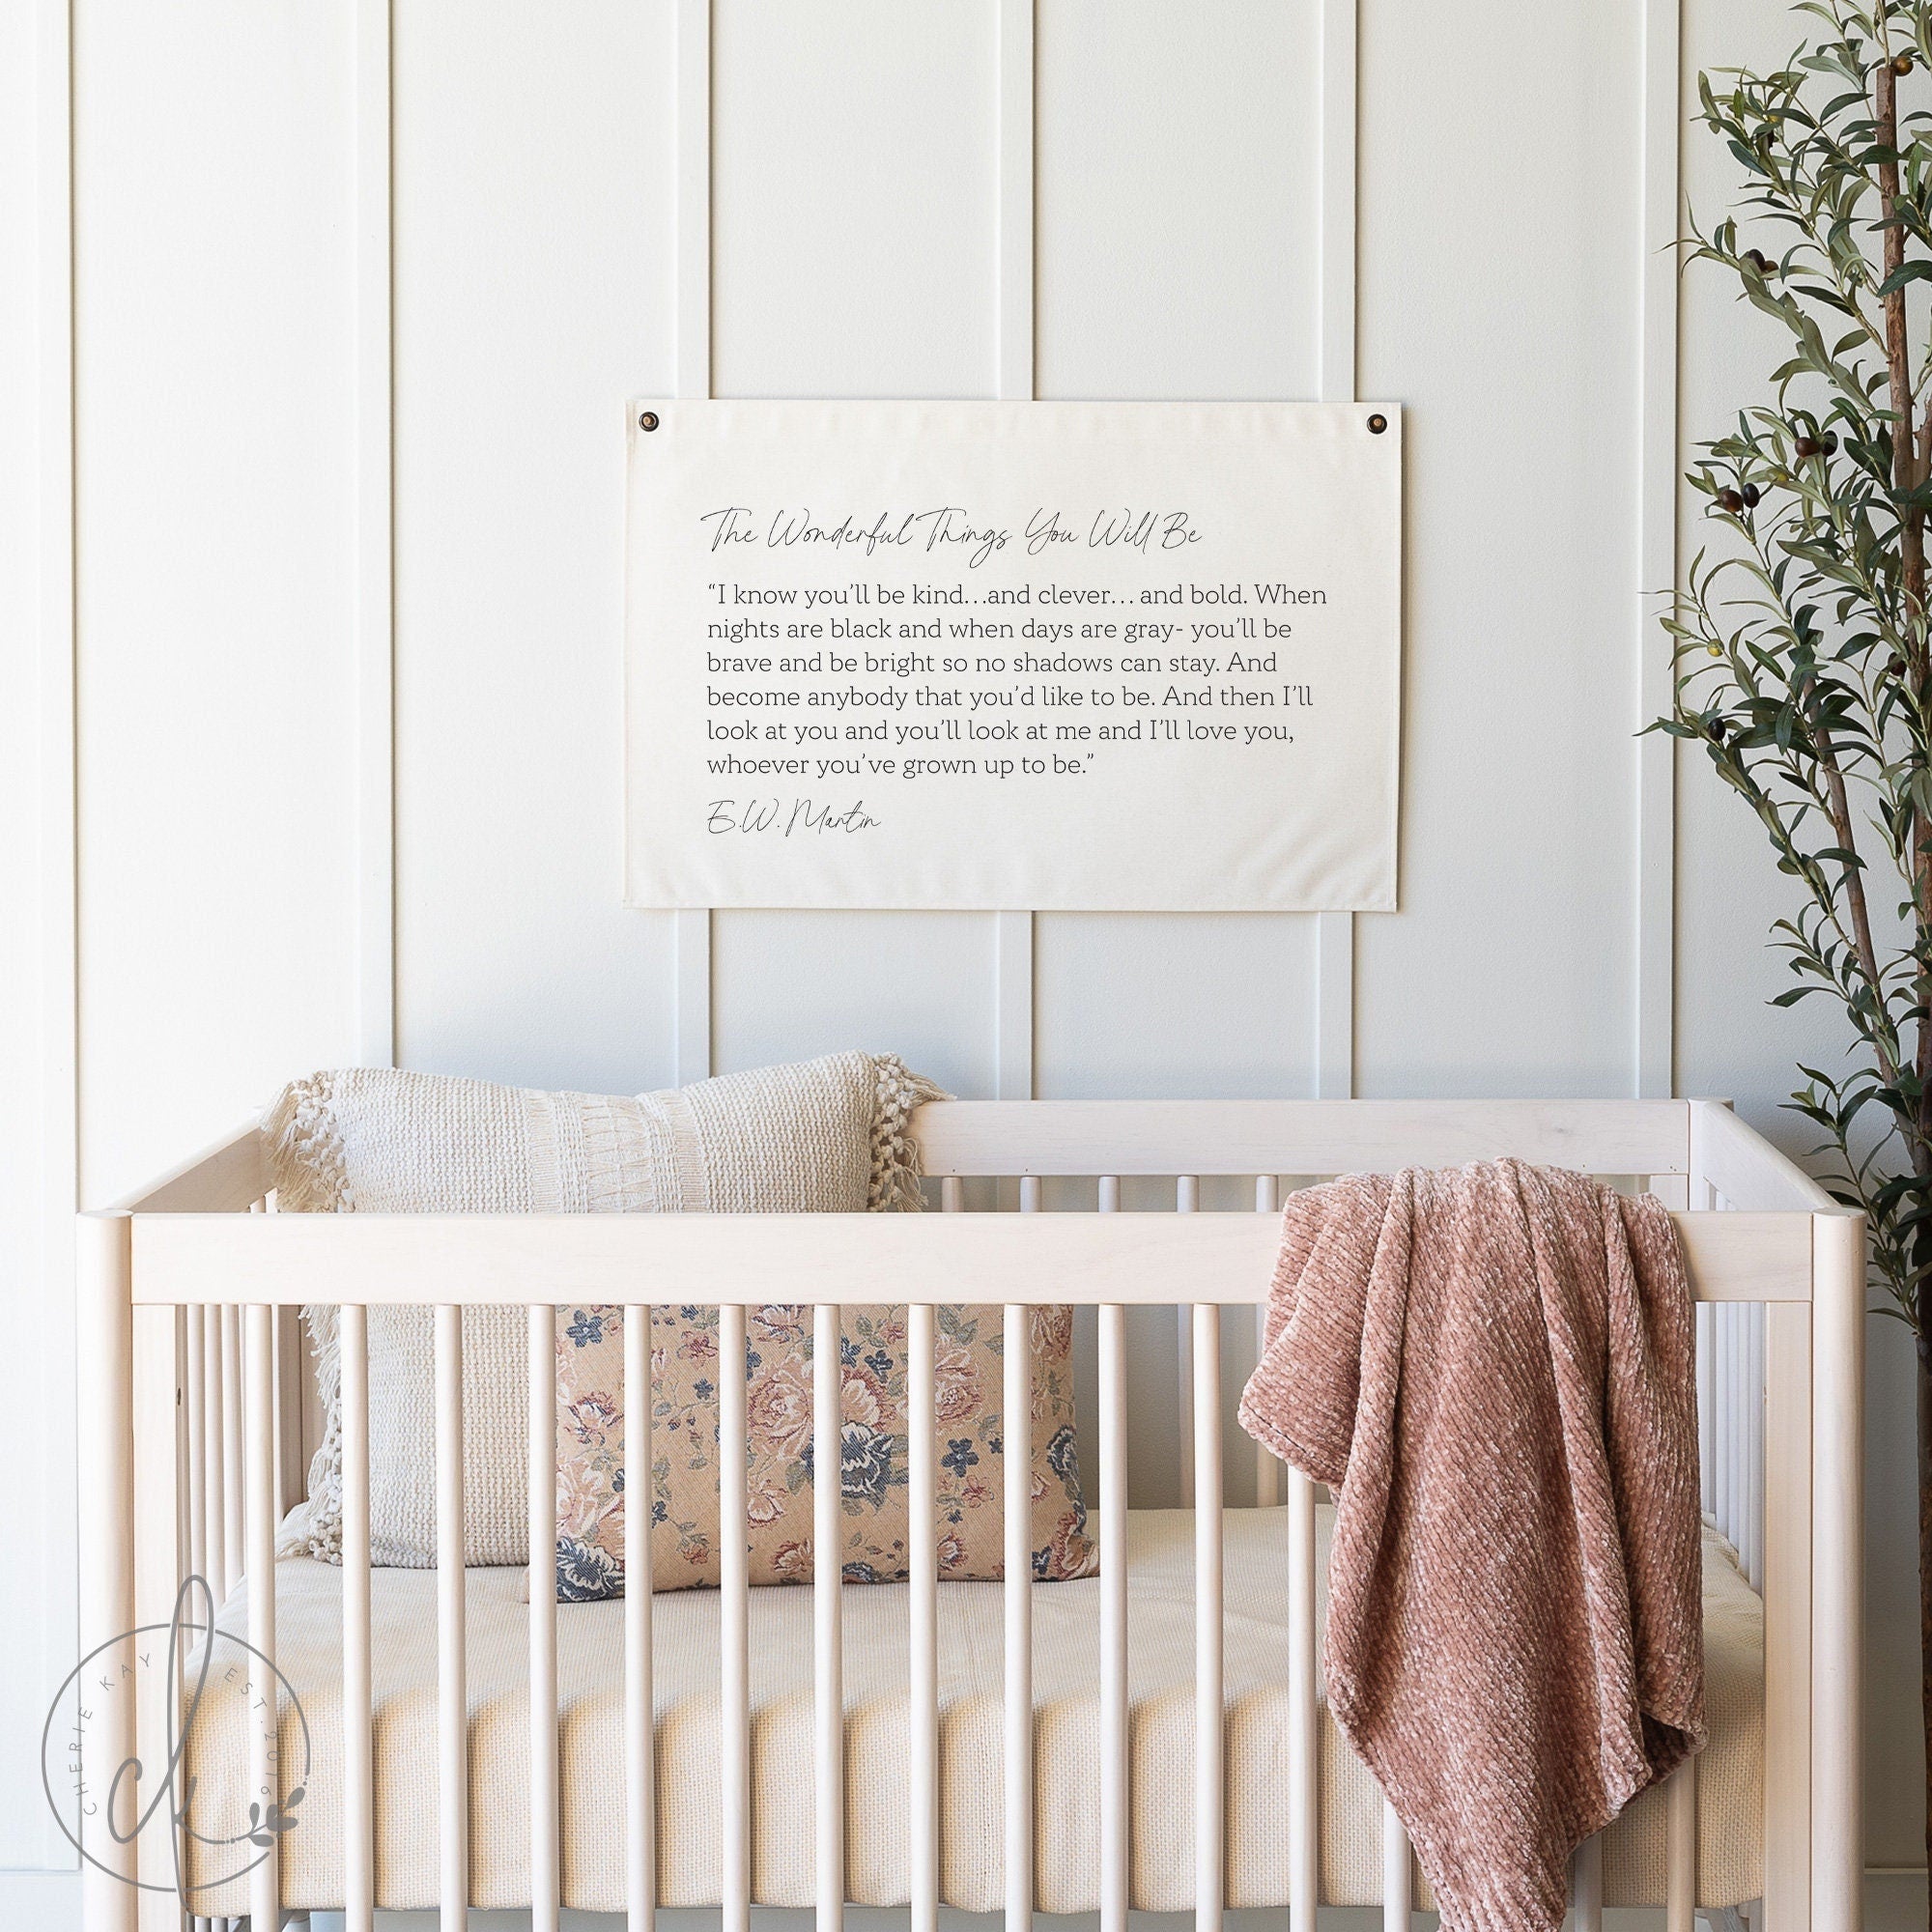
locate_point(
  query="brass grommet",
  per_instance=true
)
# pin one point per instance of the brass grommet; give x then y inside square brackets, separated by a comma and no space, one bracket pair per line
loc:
[648,420]
[1377,424]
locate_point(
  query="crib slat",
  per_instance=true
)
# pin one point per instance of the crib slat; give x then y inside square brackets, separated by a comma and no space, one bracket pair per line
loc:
[734,1749]
[278,1422]
[452,1672]
[1680,1849]
[1707,1408]
[214,1457]
[196,1399]
[1209,1822]
[1016,1435]
[641,1861]
[923,1559]
[1736,1427]
[359,1784]
[1720,1392]
[265,1877]
[231,1449]
[1587,1885]
[1267,1470]
[545,1875]
[1753,1435]
[1303,1788]
[1113,1325]
[828,1655]
[1186,1201]
[1395,1871]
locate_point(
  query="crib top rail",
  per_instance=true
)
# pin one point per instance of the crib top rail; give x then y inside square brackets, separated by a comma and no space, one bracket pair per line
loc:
[1694,1139]
[752,1260]
[192,1246]
[1164,1137]
[1300,1137]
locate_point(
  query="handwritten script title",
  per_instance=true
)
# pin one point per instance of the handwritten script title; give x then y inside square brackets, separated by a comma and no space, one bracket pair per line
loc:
[949,529]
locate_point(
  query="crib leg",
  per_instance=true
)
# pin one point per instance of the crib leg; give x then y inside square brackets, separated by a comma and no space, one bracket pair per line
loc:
[104,1322]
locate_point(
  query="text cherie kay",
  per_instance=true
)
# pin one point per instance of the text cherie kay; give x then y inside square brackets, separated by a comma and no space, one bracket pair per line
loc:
[782,817]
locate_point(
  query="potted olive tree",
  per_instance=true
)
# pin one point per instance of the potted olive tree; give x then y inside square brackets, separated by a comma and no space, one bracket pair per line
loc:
[1801,635]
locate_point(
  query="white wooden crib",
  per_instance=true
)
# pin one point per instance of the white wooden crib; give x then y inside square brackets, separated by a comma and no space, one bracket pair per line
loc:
[190,1334]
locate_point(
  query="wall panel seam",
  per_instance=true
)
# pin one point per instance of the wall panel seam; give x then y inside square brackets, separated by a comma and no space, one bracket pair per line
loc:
[1655,884]
[375,535]
[692,1031]
[55,685]
[1015,933]
[1335,931]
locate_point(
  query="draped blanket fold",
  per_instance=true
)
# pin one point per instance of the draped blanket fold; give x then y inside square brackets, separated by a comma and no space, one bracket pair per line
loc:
[1494,1370]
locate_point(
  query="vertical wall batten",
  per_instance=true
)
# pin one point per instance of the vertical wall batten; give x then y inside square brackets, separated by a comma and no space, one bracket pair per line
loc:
[640,1731]
[1335,931]
[1013,932]
[734,1717]
[1016,200]
[358,1779]
[1016,1431]
[51,1065]
[1656,546]
[546,1875]
[451,1670]
[692,1029]
[375,539]
[828,1674]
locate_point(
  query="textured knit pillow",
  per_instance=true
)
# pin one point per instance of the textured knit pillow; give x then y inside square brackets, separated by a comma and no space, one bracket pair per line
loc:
[823,1136]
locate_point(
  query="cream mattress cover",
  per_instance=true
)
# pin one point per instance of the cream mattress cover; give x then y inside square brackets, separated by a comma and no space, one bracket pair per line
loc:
[1730,1798]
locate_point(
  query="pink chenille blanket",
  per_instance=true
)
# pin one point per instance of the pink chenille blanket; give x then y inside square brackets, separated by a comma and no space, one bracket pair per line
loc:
[1494,1370]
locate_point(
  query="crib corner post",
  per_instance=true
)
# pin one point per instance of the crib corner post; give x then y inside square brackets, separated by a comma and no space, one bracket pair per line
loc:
[104,1325]
[1838,1570]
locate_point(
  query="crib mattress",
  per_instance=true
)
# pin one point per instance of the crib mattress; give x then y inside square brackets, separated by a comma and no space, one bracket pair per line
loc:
[684,1626]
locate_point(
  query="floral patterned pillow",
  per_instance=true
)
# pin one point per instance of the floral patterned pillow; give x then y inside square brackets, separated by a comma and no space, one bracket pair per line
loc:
[590,1500]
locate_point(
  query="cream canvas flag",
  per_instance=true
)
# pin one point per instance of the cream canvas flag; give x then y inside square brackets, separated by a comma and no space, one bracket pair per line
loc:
[1040,655]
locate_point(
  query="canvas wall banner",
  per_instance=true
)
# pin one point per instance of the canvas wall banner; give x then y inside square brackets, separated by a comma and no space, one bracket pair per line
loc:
[1050,656]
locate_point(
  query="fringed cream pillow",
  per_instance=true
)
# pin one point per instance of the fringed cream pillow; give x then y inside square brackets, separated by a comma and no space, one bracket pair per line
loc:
[822,1136]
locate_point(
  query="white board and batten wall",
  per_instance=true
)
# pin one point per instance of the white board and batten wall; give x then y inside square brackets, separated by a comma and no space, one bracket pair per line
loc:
[357,296]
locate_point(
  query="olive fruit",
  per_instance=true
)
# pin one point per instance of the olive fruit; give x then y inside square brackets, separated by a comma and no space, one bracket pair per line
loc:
[1901,65]
[1806,445]
[1731,500]
[1753,496]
